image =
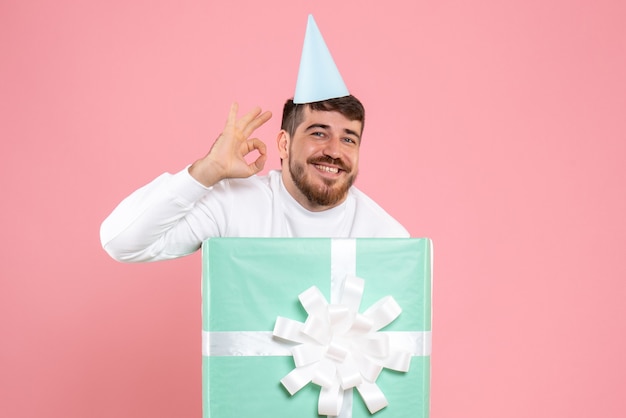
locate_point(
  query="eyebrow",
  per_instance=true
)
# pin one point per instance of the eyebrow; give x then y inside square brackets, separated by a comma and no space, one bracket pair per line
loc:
[327,127]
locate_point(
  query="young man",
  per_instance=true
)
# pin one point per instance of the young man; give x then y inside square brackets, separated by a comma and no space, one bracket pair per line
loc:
[220,194]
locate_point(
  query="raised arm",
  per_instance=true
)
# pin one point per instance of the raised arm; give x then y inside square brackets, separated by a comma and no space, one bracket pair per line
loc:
[161,220]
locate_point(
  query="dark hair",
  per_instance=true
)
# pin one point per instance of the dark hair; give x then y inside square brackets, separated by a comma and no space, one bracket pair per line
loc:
[348,106]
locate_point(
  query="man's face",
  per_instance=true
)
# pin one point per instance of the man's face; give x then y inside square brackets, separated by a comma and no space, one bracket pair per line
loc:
[320,162]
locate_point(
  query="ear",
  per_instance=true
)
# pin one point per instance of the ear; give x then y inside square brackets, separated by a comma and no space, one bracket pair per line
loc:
[283,144]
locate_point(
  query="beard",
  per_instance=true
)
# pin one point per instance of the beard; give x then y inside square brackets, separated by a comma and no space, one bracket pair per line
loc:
[330,192]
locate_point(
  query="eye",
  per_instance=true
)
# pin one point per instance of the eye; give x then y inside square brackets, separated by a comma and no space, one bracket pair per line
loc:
[318,134]
[349,140]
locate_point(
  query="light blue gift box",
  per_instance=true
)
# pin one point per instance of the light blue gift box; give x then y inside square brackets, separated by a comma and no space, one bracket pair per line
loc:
[249,282]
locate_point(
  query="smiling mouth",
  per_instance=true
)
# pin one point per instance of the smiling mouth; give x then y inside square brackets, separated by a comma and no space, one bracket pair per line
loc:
[327,169]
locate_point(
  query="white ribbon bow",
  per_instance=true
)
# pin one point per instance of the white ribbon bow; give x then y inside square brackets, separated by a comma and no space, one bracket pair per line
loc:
[339,348]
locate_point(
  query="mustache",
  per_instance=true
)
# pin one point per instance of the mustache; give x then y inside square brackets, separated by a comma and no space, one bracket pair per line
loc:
[338,162]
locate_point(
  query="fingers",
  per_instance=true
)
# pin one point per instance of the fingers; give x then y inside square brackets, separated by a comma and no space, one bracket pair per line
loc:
[253,120]
[258,164]
[248,117]
[232,146]
[249,122]
[251,145]
[232,114]
[258,145]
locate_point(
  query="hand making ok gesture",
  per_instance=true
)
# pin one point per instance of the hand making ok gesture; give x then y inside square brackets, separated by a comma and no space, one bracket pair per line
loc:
[226,158]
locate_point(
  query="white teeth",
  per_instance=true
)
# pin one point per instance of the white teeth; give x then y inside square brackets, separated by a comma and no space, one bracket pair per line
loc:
[327,169]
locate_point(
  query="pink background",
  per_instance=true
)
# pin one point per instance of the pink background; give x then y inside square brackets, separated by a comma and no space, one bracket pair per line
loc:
[496,128]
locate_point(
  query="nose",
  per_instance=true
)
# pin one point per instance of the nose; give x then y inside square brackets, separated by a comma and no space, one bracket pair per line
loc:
[332,148]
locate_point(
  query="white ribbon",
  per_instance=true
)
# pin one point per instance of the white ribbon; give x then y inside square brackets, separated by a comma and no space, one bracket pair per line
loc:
[340,348]
[337,347]
[262,343]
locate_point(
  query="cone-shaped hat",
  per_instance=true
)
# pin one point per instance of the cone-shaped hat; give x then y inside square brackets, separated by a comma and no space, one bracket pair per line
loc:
[318,76]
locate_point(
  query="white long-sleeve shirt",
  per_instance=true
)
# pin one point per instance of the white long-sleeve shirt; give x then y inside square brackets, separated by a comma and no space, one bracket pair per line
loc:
[171,216]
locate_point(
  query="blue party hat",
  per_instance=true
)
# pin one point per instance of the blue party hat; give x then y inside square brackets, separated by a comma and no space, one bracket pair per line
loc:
[318,76]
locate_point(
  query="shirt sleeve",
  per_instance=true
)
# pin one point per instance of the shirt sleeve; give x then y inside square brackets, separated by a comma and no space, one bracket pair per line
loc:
[159,221]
